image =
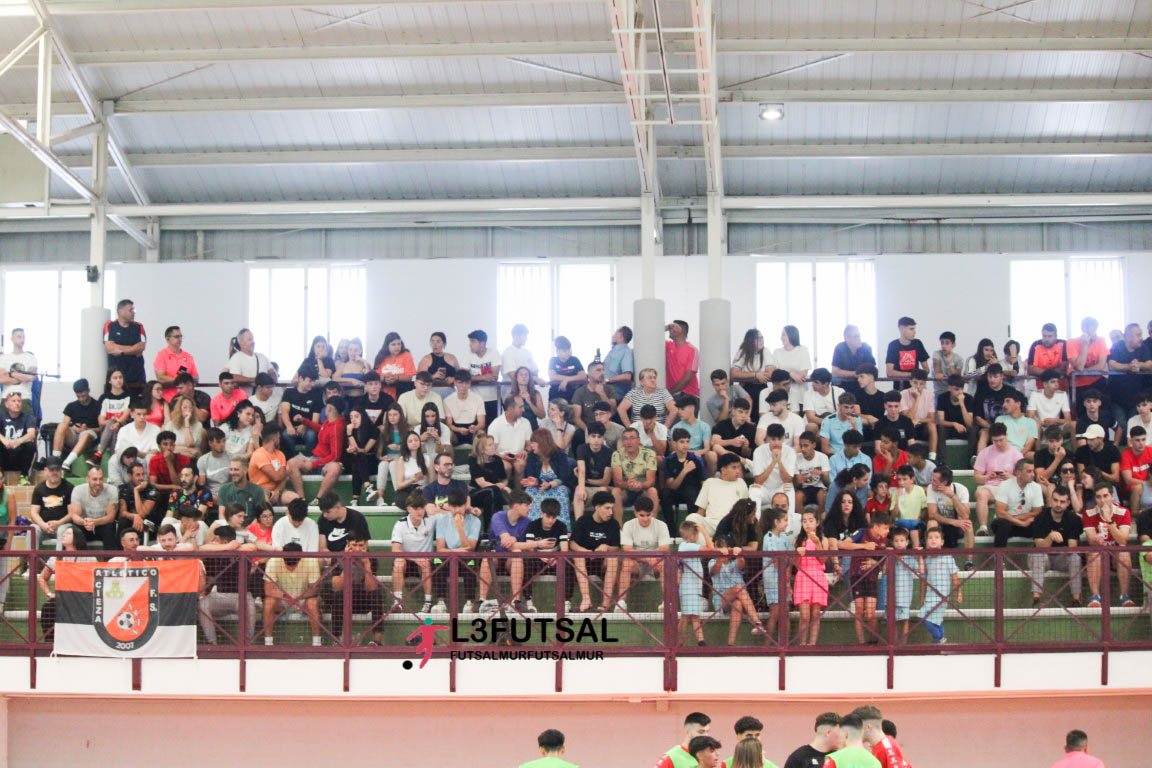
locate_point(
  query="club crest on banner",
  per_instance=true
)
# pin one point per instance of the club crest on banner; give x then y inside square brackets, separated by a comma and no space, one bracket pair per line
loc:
[125,605]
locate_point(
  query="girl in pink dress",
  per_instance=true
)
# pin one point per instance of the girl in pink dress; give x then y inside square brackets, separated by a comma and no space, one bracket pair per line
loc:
[810,590]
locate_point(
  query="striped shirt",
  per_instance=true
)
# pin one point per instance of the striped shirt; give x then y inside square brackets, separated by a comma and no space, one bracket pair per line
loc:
[658,400]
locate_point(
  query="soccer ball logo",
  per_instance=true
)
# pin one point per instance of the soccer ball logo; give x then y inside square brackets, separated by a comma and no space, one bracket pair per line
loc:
[127,620]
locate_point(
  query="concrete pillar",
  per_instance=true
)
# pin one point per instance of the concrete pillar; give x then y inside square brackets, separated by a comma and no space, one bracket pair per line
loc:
[715,311]
[93,361]
[648,311]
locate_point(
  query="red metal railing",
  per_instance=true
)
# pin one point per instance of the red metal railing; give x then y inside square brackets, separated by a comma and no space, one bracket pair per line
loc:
[996,617]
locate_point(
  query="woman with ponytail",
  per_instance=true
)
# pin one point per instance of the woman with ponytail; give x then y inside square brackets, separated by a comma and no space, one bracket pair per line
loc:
[244,362]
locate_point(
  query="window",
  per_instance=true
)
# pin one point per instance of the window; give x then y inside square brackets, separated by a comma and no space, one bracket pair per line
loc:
[1064,291]
[46,303]
[576,300]
[819,298]
[333,299]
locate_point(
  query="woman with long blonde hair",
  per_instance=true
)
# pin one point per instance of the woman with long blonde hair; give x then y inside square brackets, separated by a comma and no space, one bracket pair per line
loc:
[188,429]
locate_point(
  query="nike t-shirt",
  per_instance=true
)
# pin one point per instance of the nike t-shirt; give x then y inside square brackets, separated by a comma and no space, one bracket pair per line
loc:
[336,533]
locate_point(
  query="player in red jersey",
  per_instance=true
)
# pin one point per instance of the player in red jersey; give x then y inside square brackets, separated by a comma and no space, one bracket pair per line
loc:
[883,748]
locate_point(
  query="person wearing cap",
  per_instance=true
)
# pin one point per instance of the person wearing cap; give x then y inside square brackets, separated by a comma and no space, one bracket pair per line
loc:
[18,368]
[266,397]
[17,435]
[78,425]
[1098,453]
[484,365]
[50,498]
[821,400]
[1022,431]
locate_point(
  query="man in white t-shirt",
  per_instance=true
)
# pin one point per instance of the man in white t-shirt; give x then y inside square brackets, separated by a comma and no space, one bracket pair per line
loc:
[266,397]
[1019,500]
[298,527]
[464,412]
[139,434]
[773,465]
[948,507]
[718,494]
[1049,405]
[777,413]
[511,432]
[821,398]
[643,533]
[484,365]
[518,355]
[18,368]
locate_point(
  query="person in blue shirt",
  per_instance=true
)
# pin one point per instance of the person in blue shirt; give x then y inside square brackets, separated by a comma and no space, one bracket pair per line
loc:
[850,454]
[508,533]
[832,430]
[699,432]
[456,531]
[619,364]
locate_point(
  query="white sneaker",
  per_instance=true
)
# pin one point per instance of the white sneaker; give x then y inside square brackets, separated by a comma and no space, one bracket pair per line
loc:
[440,607]
[982,531]
[567,606]
[530,606]
[427,607]
[622,606]
[489,606]
[467,607]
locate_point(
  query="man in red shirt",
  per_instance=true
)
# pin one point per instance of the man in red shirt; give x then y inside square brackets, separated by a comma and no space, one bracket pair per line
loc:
[164,468]
[224,403]
[889,457]
[681,361]
[1108,524]
[696,724]
[883,748]
[172,361]
[1134,464]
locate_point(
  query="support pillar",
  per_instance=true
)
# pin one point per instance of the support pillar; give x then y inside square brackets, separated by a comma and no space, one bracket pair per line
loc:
[715,311]
[93,361]
[648,311]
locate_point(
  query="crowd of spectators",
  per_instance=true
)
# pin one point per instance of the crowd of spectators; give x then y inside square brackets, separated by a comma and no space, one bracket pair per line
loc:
[774,456]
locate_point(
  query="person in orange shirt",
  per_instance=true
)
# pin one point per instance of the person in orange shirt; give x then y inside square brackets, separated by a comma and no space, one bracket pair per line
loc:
[223,404]
[394,364]
[1048,353]
[172,361]
[1089,352]
[268,468]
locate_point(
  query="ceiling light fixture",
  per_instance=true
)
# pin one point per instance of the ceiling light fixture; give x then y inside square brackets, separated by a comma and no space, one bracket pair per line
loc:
[771,111]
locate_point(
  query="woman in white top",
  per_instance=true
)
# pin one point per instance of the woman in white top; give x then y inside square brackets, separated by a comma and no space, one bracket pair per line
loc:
[189,431]
[795,358]
[410,471]
[238,431]
[243,361]
[647,394]
[557,424]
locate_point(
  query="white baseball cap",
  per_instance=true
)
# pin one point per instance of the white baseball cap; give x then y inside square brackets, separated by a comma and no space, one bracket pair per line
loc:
[1093,430]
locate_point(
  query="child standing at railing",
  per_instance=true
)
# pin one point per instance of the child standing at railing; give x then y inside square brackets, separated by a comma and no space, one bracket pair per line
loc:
[906,568]
[909,502]
[810,590]
[864,577]
[774,541]
[880,502]
[941,577]
[728,583]
[694,539]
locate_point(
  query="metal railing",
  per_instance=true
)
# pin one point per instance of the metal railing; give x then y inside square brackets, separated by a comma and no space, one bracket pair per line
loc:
[990,610]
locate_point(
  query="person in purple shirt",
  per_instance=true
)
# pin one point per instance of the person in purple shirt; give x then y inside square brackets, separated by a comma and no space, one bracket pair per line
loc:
[507,532]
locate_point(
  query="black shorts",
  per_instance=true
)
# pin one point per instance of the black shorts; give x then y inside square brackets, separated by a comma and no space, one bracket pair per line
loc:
[920,432]
[866,584]
[595,566]
[808,494]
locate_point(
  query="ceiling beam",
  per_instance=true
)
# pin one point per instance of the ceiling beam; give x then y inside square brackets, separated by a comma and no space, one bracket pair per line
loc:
[631,56]
[84,7]
[621,152]
[730,47]
[1044,199]
[46,156]
[597,98]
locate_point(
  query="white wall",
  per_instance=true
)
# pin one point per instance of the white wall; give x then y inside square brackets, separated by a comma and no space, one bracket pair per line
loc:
[967,294]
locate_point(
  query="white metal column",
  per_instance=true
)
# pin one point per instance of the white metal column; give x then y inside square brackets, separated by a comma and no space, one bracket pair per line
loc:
[648,311]
[93,361]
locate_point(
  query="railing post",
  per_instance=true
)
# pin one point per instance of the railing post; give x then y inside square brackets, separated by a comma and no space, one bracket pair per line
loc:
[998,613]
[671,621]
[1106,595]
[242,600]
[346,598]
[453,587]
[890,563]
[33,573]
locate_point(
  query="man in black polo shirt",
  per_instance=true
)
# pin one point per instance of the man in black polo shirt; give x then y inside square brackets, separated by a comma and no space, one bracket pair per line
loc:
[305,402]
[50,499]
[124,341]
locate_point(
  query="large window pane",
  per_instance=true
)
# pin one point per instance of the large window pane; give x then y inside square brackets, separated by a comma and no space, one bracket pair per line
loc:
[832,311]
[317,306]
[287,333]
[861,302]
[524,295]
[259,315]
[1037,297]
[32,302]
[771,301]
[1096,289]
[347,295]
[585,298]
